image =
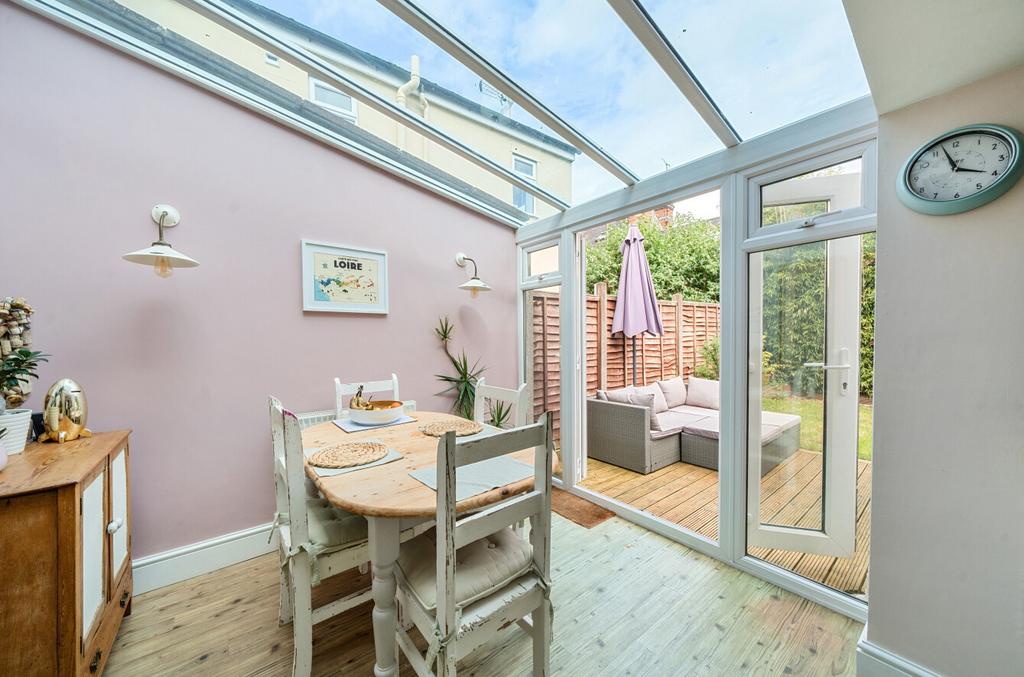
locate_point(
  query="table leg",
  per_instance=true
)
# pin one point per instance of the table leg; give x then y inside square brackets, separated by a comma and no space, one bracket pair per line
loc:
[384,542]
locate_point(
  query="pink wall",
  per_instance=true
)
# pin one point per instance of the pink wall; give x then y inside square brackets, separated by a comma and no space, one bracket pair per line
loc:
[92,139]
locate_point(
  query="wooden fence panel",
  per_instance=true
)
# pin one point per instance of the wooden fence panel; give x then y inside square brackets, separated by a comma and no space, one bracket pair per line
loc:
[688,326]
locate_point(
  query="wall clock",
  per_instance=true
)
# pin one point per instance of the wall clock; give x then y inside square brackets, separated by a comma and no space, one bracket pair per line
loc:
[962,169]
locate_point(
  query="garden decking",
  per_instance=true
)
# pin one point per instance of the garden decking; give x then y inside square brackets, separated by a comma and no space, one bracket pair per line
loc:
[687,495]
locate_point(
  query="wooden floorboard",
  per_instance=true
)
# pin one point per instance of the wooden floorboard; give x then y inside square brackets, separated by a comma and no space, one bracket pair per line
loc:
[687,495]
[627,602]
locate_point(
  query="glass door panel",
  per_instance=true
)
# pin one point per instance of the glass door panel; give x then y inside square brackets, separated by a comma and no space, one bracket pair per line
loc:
[804,324]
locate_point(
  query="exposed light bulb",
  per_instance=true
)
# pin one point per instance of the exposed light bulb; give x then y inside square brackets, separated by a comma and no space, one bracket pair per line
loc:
[162,267]
[474,292]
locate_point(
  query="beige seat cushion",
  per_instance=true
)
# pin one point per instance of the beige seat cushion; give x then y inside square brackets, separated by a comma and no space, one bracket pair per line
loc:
[702,392]
[481,567]
[621,395]
[333,529]
[673,421]
[654,391]
[674,390]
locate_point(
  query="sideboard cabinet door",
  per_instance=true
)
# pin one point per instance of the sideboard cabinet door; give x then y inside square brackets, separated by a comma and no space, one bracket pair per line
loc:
[118,527]
[94,535]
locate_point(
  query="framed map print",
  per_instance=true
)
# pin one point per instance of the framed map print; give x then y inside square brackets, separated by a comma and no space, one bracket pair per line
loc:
[339,279]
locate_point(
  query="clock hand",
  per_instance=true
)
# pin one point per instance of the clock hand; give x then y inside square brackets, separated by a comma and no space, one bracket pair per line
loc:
[952,163]
[976,171]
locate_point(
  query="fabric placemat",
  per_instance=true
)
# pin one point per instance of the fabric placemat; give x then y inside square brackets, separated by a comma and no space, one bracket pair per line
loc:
[392,455]
[350,426]
[479,477]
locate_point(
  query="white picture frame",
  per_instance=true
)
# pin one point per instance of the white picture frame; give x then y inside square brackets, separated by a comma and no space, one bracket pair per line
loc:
[343,279]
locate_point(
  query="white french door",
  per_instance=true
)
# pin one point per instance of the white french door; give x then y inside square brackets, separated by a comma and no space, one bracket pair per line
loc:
[803,388]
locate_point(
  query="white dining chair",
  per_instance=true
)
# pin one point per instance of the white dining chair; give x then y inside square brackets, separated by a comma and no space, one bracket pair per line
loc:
[487,399]
[315,540]
[467,579]
[347,390]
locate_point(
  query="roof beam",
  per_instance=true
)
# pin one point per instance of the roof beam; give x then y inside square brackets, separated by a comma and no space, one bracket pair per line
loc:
[236,21]
[654,41]
[449,42]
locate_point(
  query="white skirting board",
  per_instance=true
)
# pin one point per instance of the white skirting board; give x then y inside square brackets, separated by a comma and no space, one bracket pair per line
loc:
[874,661]
[172,566]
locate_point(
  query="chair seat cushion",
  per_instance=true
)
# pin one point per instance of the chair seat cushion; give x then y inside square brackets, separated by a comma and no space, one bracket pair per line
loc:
[331,528]
[481,567]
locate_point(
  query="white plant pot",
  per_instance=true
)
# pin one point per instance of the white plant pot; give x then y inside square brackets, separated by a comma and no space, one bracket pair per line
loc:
[17,422]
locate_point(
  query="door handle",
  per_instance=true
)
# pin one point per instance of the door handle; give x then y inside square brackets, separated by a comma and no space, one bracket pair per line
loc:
[844,359]
[114,525]
[822,365]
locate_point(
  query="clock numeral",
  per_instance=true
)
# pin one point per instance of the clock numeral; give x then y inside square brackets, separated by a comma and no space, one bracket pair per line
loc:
[956,196]
[935,153]
[925,165]
[994,146]
[916,179]
[995,173]
[935,195]
[1002,157]
[921,190]
[956,144]
[978,186]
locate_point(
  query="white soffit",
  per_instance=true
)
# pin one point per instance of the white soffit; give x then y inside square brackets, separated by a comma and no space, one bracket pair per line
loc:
[915,49]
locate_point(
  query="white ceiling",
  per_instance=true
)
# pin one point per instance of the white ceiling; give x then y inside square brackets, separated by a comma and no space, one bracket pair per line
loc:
[915,49]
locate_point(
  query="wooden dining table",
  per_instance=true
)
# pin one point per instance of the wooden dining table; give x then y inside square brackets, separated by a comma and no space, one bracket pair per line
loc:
[392,502]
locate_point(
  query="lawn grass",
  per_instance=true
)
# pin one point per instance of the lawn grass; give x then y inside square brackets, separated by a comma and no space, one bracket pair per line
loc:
[811,425]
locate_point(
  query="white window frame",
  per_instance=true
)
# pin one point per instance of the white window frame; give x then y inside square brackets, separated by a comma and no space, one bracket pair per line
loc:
[533,179]
[810,144]
[350,115]
[865,151]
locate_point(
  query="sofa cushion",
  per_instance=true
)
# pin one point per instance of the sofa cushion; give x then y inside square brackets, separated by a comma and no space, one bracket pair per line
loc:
[699,411]
[673,421]
[702,393]
[602,395]
[620,395]
[705,427]
[783,421]
[659,397]
[481,567]
[674,390]
[643,400]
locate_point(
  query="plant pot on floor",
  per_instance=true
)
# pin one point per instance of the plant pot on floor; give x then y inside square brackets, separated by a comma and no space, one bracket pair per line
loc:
[17,422]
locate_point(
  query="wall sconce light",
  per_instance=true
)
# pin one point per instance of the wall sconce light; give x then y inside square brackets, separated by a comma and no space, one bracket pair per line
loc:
[160,254]
[473,285]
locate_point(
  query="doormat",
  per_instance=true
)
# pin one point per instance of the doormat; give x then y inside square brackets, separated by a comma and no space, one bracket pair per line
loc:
[579,510]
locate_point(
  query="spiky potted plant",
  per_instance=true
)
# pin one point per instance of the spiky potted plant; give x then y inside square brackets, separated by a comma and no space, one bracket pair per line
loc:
[16,370]
[461,384]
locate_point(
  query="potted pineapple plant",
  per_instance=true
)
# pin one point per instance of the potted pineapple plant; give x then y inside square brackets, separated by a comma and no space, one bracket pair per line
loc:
[15,370]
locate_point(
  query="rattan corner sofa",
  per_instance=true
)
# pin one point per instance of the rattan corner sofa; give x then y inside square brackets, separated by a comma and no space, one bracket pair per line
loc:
[622,434]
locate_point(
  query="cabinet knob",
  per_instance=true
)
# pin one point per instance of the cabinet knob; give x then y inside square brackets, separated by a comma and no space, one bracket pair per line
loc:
[115,525]
[95,664]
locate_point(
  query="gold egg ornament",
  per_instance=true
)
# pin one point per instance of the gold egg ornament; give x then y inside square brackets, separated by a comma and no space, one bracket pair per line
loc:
[65,412]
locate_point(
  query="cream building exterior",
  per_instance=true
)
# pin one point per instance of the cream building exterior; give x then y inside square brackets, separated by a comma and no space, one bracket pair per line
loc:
[528,152]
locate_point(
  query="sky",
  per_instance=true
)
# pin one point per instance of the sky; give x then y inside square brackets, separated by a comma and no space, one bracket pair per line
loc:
[765,63]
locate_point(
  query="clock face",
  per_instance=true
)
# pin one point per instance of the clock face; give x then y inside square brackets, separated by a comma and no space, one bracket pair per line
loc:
[960,165]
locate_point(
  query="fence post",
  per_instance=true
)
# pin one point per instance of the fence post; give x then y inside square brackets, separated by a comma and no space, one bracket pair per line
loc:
[677,299]
[601,291]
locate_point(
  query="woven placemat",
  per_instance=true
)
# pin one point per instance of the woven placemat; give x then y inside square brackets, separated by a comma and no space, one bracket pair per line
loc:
[348,454]
[462,428]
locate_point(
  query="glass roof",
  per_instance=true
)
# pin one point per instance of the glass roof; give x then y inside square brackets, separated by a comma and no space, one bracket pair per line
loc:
[580,60]
[766,64]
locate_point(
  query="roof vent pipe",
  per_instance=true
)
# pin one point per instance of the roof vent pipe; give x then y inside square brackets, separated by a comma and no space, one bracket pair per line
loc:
[403,93]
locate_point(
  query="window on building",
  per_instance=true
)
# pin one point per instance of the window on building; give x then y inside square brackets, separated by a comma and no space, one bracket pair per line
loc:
[331,99]
[526,168]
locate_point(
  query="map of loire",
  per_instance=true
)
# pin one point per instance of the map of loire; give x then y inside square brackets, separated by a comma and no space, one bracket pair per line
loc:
[345,279]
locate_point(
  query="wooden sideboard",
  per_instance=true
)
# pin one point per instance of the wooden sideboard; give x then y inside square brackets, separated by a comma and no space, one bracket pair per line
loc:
[65,555]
